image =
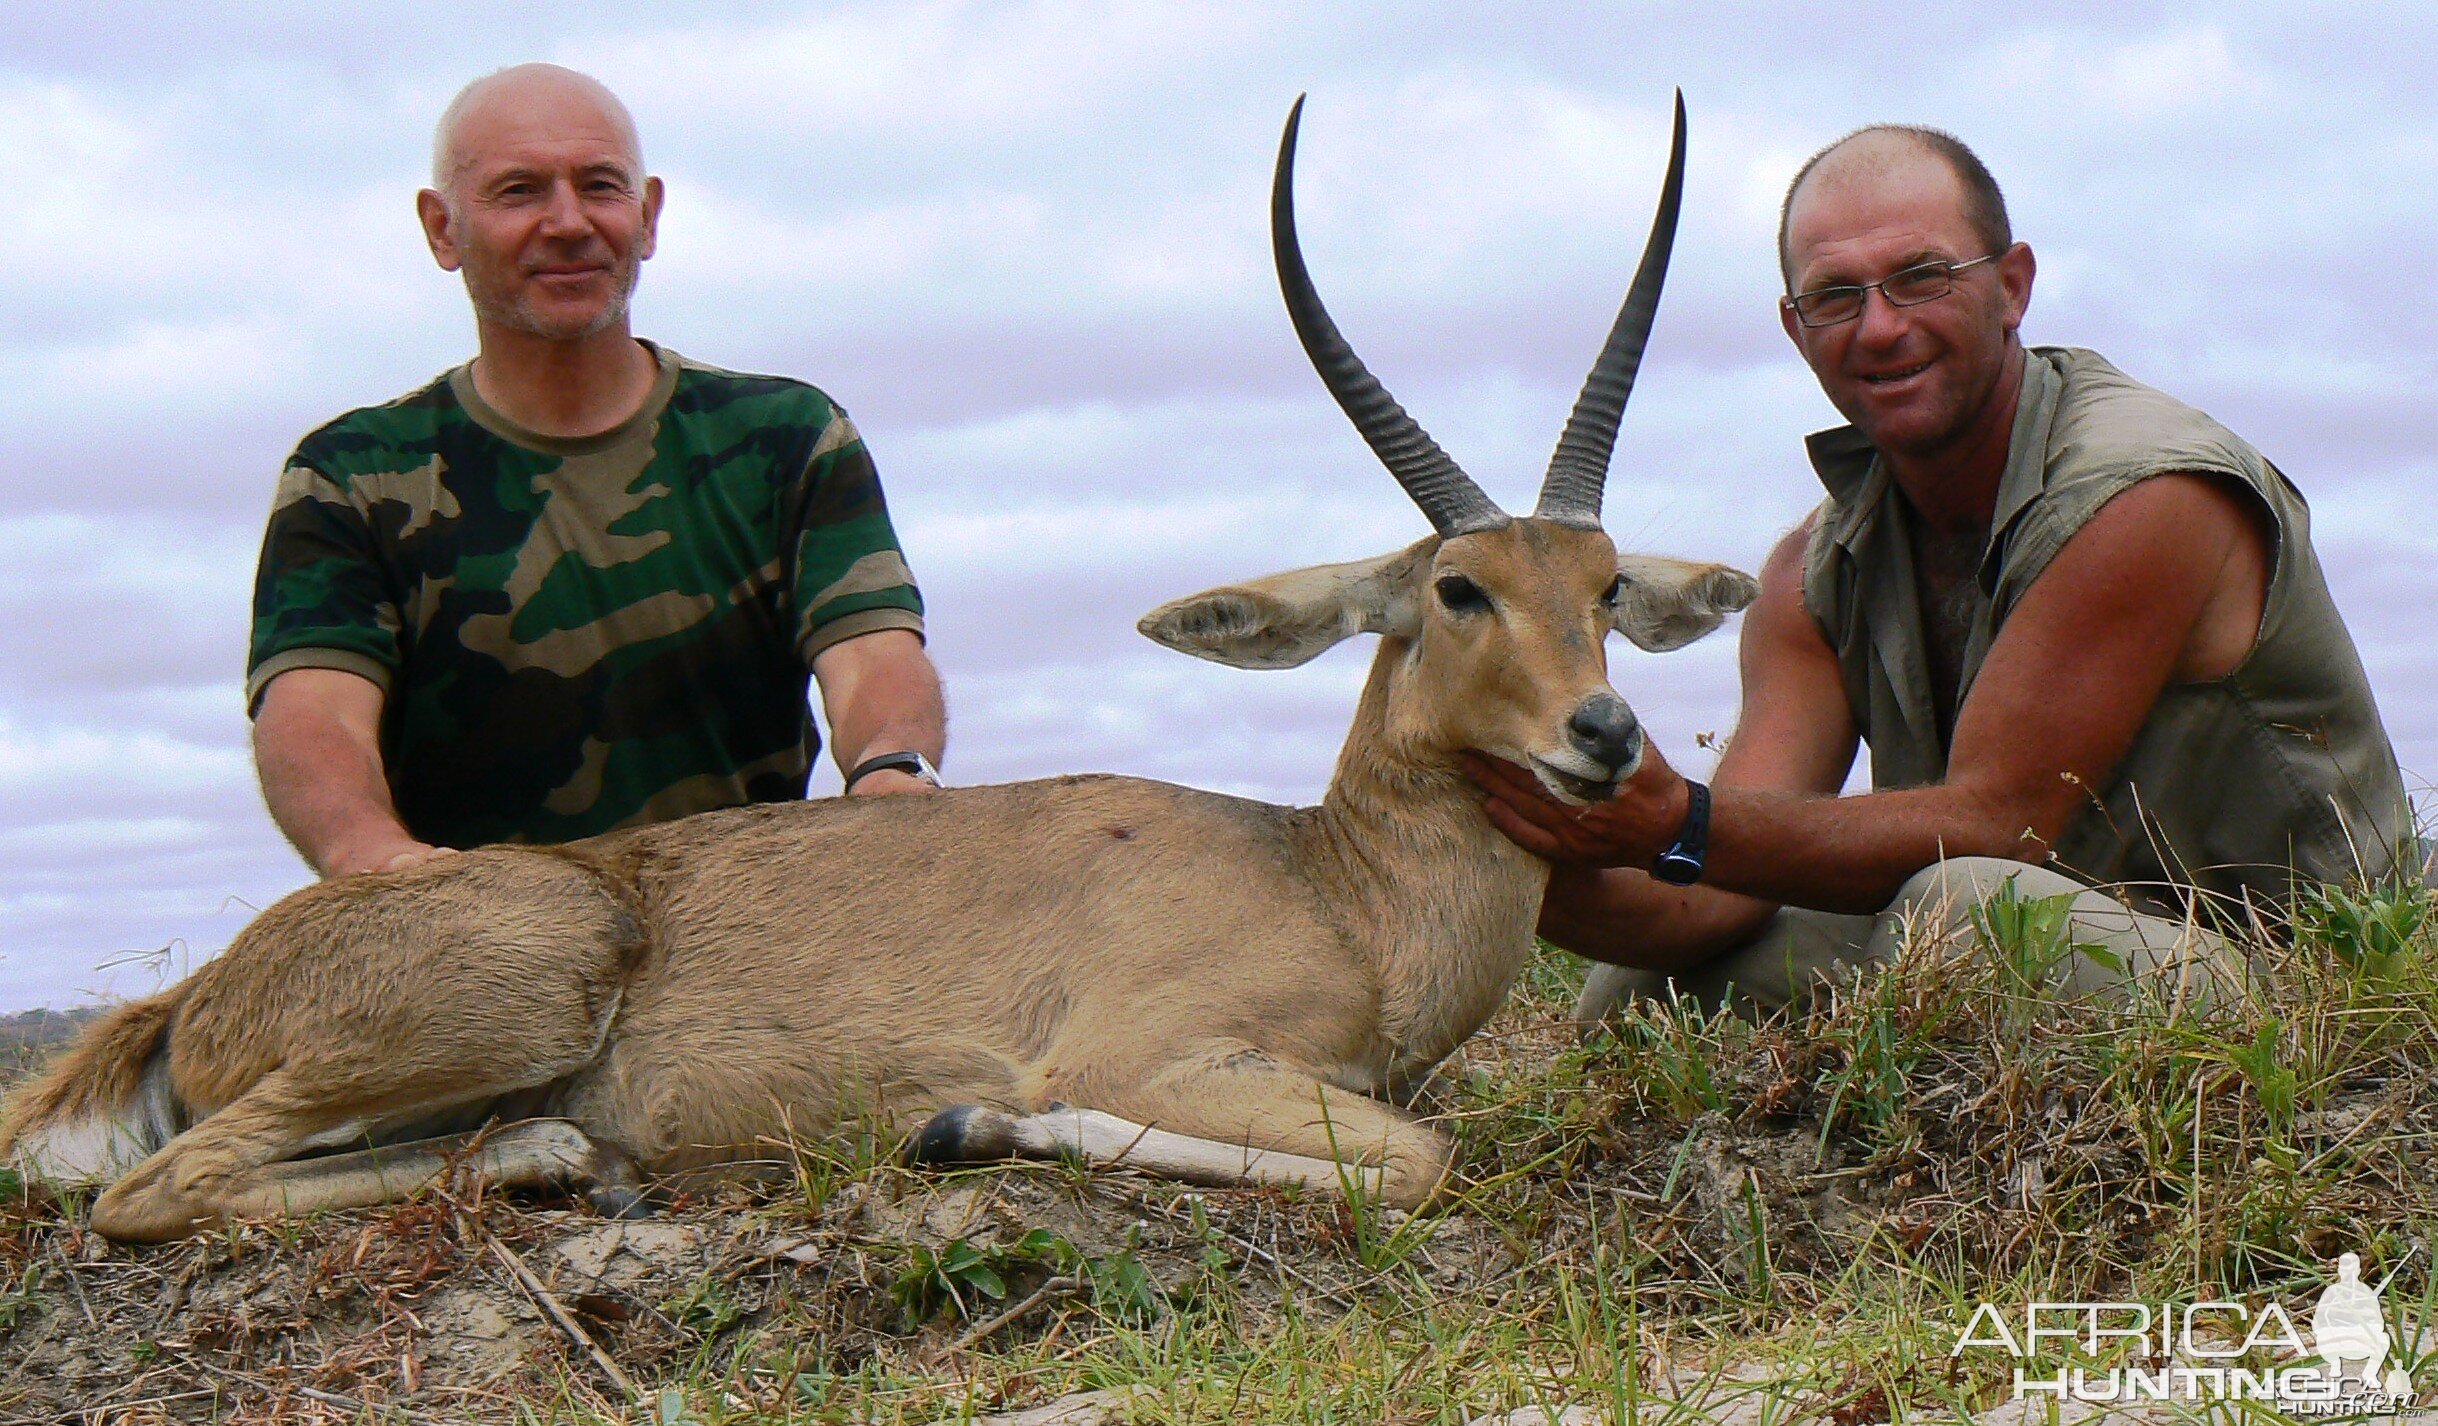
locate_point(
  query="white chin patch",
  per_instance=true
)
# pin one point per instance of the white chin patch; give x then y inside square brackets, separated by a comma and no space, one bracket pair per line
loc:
[1579,785]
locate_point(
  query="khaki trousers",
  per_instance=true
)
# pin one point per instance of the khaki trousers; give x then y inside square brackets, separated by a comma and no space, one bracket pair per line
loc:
[1800,951]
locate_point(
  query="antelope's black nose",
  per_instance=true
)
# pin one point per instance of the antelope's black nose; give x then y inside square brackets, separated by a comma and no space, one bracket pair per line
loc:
[1605,730]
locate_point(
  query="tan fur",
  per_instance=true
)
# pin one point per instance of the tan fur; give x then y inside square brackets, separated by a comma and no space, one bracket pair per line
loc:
[697,992]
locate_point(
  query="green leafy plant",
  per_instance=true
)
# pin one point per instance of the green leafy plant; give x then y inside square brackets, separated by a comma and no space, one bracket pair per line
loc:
[708,1307]
[2029,937]
[21,1299]
[953,1277]
[2370,928]
[1122,1289]
[962,1275]
[2273,1083]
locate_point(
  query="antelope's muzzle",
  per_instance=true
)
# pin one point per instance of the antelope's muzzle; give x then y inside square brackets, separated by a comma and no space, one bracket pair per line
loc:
[1604,730]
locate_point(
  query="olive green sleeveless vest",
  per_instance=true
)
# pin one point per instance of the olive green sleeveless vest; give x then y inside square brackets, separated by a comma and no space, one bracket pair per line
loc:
[2233,787]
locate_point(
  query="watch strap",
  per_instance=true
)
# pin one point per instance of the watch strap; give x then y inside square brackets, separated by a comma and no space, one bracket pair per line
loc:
[1681,863]
[907,761]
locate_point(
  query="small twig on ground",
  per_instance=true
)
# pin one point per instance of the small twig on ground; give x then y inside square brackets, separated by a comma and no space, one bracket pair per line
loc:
[69,1269]
[340,1400]
[560,1316]
[1058,1286]
[345,1402]
[1073,1350]
[119,1406]
[2385,1109]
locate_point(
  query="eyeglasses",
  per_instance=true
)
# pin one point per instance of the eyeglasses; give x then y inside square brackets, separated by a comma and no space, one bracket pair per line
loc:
[1922,282]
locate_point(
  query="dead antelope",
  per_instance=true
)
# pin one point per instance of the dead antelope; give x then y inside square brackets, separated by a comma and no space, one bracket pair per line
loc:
[1203,987]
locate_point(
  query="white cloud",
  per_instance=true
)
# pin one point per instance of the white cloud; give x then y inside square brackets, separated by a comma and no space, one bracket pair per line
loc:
[2185,70]
[95,766]
[2139,77]
[203,366]
[975,70]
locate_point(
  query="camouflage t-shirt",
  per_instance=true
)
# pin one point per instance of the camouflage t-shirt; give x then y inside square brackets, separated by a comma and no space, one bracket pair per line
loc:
[576,635]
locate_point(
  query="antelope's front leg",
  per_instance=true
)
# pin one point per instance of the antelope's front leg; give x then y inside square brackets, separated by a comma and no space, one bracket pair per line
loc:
[1229,1117]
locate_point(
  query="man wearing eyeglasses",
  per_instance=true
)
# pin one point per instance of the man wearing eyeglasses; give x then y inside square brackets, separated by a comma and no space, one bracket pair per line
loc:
[2079,623]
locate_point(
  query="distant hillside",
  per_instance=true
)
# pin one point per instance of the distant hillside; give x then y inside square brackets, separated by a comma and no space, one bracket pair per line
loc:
[27,1035]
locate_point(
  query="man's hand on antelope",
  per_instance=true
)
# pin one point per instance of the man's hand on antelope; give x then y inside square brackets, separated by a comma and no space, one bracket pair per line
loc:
[1630,829]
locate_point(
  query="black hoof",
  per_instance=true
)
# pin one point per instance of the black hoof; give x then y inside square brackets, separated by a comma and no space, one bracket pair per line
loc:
[621,1201]
[964,1134]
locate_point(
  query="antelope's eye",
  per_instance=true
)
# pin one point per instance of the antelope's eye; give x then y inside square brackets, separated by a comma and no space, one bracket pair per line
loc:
[1460,594]
[1616,590]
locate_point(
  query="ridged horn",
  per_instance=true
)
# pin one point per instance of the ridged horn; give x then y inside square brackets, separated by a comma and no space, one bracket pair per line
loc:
[1570,494]
[1448,496]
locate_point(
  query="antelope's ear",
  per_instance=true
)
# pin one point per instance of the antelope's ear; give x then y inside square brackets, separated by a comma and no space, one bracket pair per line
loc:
[1282,620]
[1667,604]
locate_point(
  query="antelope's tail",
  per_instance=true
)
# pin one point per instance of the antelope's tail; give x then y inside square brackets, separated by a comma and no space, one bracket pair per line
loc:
[103,1106]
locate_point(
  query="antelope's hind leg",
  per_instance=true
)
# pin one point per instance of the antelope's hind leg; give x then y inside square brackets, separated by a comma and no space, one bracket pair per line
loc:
[364,1006]
[530,1153]
[1232,1119]
[203,1176]
[237,1164]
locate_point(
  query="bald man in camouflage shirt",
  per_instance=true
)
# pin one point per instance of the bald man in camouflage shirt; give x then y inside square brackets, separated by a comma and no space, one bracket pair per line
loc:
[580,582]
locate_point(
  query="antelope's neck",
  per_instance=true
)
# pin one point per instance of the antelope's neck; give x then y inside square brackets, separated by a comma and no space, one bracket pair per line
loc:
[1440,902]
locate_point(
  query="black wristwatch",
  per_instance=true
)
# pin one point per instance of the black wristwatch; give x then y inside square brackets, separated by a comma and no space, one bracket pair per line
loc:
[1681,863]
[911,763]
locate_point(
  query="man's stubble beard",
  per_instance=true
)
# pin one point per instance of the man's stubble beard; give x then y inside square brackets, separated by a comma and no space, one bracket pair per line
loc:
[1962,420]
[516,313]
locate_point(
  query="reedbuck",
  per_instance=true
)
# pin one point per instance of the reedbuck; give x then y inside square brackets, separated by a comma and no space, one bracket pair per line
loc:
[1199,986]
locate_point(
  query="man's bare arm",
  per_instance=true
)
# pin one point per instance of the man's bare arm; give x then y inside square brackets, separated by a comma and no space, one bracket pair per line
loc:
[317,749]
[2068,684]
[882,696]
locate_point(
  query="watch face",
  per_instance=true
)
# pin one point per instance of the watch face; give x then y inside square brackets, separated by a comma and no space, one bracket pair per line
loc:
[1677,869]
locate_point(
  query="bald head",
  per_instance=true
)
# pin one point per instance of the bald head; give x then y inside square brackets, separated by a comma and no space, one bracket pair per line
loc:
[540,200]
[526,95]
[1888,155]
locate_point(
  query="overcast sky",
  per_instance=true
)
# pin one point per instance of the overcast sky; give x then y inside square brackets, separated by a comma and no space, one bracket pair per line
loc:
[1025,245]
